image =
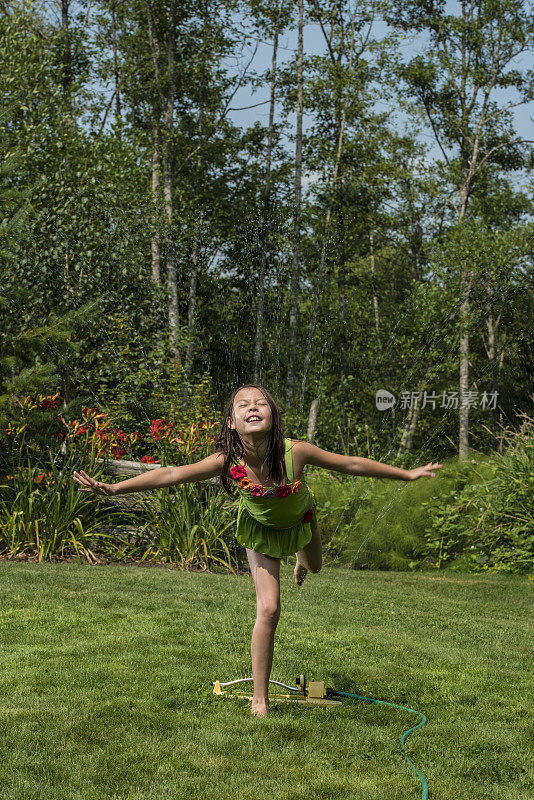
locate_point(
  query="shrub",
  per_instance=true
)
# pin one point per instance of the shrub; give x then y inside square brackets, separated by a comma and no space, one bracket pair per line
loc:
[488,526]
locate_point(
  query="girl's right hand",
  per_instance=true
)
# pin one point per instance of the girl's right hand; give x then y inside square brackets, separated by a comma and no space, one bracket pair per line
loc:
[88,484]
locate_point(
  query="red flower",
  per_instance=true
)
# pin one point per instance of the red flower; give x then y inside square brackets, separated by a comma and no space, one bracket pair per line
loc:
[47,403]
[308,515]
[160,426]
[238,472]
[256,490]
[149,460]
[283,490]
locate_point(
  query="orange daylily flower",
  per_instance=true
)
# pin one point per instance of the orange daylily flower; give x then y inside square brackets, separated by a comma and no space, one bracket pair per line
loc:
[245,483]
[295,486]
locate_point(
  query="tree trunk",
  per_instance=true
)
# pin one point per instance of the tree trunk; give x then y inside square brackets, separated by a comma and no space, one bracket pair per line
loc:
[66,55]
[168,184]
[491,351]
[375,297]
[295,267]
[191,311]
[155,245]
[341,282]
[118,119]
[312,419]
[464,375]
[195,264]
[413,416]
[463,416]
[266,211]
[409,429]
[320,274]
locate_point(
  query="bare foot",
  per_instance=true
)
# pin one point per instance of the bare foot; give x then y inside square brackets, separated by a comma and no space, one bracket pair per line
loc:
[300,573]
[260,708]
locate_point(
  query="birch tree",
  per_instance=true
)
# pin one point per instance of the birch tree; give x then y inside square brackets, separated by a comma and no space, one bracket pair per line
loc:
[472,54]
[347,40]
[295,267]
[266,202]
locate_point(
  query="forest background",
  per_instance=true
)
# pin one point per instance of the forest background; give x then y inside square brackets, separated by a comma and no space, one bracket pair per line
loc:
[370,232]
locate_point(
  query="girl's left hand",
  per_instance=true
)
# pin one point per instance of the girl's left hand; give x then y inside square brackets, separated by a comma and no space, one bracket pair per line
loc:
[424,472]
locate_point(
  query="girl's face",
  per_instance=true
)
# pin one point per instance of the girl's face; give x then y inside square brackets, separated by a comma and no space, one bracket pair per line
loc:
[251,413]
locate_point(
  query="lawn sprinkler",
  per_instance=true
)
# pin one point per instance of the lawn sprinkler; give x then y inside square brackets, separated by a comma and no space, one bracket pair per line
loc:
[314,693]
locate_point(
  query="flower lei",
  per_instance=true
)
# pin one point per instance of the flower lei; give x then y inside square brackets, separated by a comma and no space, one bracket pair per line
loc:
[239,473]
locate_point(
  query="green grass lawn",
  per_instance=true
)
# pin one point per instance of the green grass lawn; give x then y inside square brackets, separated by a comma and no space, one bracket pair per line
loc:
[105,680]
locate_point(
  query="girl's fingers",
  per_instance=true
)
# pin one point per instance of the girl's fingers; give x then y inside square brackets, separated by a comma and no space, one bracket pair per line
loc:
[80,480]
[87,484]
[87,477]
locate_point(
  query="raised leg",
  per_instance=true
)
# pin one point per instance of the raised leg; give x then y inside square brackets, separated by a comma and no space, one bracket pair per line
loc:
[266,574]
[310,557]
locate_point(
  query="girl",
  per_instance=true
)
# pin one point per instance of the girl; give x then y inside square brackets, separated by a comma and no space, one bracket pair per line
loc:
[276,516]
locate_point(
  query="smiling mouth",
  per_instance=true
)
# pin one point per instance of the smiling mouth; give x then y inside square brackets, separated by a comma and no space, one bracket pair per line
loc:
[253,419]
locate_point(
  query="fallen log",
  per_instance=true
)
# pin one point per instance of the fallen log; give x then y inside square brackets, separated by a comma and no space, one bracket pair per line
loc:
[131,502]
[131,468]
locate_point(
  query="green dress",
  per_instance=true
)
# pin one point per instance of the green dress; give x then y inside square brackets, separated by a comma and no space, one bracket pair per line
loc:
[273,525]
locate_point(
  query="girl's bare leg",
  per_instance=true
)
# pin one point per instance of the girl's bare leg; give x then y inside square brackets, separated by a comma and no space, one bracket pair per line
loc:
[310,557]
[266,574]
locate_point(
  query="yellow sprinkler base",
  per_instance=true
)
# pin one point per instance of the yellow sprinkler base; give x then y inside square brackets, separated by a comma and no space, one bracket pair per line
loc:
[312,694]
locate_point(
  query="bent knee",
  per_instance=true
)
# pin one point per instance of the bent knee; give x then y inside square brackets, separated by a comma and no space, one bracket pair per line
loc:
[316,568]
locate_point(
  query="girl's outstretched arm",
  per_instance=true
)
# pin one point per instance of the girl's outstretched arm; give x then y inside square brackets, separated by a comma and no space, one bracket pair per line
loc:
[354,465]
[209,467]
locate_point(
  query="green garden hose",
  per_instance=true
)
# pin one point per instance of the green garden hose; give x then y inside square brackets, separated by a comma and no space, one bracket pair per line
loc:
[335,693]
[303,689]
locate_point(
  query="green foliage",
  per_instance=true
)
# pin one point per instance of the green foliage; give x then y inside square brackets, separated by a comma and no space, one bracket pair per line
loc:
[488,525]
[44,516]
[139,385]
[30,347]
[190,525]
[477,516]
[32,365]
[372,524]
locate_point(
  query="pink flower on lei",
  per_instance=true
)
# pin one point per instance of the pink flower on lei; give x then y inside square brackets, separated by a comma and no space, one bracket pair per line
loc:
[238,472]
[256,490]
[283,490]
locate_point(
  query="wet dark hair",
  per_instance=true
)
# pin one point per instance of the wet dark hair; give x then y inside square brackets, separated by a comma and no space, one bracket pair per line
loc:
[229,442]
